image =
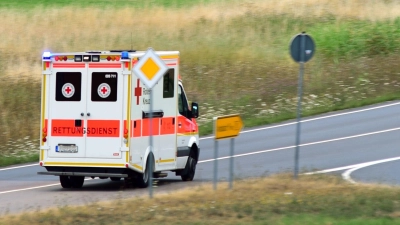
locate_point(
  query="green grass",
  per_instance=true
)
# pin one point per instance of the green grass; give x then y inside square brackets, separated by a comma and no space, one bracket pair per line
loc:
[12,160]
[354,39]
[278,200]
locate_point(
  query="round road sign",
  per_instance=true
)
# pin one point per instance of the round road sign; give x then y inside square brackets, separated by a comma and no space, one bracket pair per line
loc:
[302,47]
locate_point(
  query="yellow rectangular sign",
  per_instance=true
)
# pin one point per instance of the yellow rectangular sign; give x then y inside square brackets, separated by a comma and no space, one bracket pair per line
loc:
[227,126]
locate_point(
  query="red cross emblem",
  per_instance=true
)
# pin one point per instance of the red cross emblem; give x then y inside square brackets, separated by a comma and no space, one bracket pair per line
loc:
[104,90]
[138,91]
[68,90]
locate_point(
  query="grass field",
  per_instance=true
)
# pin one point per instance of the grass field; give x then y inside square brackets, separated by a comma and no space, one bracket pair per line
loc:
[278,200]
[234,54]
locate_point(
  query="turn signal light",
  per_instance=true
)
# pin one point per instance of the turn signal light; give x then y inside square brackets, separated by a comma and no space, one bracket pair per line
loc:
[61,58]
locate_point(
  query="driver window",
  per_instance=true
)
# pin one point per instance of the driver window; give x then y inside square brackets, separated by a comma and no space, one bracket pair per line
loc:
[182,103]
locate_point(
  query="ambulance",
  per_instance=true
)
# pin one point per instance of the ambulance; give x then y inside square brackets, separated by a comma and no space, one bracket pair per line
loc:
[97,120]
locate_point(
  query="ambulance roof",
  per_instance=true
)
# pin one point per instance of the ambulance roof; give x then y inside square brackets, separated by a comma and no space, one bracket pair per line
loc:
[132,53]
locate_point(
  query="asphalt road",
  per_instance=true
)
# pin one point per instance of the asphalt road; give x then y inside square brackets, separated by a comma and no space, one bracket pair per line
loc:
[361,144]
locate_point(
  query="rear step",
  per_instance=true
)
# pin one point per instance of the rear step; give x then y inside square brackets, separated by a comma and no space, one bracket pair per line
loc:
[159,175]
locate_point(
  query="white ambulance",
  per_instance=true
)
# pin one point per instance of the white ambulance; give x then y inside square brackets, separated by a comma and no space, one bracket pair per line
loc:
[96,119]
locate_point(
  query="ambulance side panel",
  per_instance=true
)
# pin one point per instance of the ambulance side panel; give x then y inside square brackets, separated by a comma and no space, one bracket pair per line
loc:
[163,121]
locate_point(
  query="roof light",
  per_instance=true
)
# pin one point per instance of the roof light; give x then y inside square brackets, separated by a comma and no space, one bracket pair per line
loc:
[124,55]
[95,58]
[46,55]
[86,58]
[78,58]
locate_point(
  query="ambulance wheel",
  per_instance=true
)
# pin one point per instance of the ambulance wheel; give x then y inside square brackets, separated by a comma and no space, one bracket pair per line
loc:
[190,169]
[143,179]
[115,178]
[65,182]
[77,182]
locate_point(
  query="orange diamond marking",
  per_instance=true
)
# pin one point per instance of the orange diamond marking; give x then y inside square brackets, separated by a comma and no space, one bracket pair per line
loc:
[150,68]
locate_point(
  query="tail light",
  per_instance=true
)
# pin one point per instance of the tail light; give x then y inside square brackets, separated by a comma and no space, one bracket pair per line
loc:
[44,134]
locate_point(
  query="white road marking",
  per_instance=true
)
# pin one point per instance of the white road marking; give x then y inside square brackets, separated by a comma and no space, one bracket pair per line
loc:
[346,174]
[318,118]
[351,168]
[246,154]
[37,187]
[306,144]
[30,188]
[17,167]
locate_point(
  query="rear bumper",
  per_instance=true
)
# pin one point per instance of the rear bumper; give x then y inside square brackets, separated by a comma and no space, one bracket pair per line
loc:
[86,171]
[81,174]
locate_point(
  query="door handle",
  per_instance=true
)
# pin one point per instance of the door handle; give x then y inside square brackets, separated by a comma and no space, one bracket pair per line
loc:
[88,114]
[82,114]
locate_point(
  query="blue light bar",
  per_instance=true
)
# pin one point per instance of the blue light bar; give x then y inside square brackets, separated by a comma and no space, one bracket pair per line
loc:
[46,55]
[124,55]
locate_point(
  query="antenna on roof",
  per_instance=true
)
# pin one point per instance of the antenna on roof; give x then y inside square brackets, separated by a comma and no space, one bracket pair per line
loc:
[131,41]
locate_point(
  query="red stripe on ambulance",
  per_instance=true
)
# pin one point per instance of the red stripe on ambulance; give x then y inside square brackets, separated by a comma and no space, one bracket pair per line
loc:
[69,65]
[103,128]
[137,128]
[65,128]
[105,65]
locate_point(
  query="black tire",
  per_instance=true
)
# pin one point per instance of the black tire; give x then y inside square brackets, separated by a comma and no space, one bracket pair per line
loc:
[143,179]
[65,182]
[77,182]
[115,178]
[190,169]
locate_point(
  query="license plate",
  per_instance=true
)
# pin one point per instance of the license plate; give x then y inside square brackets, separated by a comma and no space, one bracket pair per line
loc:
[67,148]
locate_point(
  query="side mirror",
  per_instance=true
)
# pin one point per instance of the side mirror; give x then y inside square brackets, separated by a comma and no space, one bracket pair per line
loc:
[195,110]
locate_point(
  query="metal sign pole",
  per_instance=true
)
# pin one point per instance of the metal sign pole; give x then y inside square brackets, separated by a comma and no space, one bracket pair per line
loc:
[300,95]
[231,165]
[215,163]
[151,145]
